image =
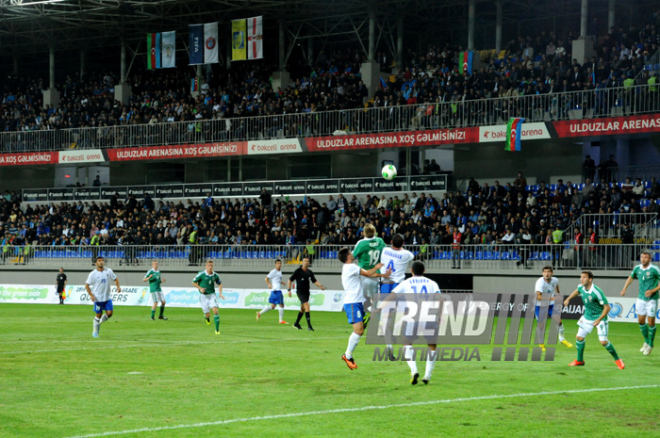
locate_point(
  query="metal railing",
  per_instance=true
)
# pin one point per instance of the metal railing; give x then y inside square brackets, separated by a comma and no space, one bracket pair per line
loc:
[609,225]
[497,256]
[650,65]
[585,104]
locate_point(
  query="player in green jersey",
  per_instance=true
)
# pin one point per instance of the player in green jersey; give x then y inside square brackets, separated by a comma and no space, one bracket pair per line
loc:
[596,309]
[157,296]
[647,299]
[205,282]
[367,253]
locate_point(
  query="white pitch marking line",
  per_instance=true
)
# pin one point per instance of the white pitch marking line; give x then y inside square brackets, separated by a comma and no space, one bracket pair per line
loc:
[164,344]
[362,409]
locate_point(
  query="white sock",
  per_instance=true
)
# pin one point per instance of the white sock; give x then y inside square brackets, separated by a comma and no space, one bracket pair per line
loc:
[104,318]
[430,364]
[265,309]
[97,323]
[561,333]
[390,347]
[352,343]
[281,310]
[409,355]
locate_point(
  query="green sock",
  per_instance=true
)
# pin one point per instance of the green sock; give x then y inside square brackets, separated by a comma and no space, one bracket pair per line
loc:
[216,318]
[580,350]
[162,310]
[651,336]
[153,312]
[645,332]
[609,347]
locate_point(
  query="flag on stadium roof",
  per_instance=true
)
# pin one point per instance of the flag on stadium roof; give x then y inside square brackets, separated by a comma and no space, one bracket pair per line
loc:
[513,134]
[161,50]
[203,39]
[247,39]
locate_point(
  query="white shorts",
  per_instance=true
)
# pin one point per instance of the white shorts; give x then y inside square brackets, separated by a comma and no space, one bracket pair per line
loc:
[585,326]
[369,286]
[646,308]
[157,297]
[208,302]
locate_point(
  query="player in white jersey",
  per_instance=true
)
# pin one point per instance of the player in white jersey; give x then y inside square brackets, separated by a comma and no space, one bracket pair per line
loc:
[354,299]
[98,289]
[396,259]
[546,289]
[275,283]
[418,284]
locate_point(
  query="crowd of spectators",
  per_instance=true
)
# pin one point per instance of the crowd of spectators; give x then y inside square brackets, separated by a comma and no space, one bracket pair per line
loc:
[537,65]
[499,214]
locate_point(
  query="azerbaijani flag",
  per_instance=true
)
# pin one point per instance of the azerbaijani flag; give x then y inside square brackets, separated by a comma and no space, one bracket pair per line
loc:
[153,51]
[513,134]
[383,84]
[465,62]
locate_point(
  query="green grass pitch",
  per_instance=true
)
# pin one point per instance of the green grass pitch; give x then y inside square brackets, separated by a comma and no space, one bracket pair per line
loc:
[57,381]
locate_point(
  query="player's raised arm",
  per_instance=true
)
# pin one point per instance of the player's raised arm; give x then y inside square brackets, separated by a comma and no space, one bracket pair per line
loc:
[571,296]
[373,272]
[629,281]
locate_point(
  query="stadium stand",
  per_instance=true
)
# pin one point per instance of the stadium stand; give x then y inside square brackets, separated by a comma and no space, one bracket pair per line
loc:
[492,220]
[536,65]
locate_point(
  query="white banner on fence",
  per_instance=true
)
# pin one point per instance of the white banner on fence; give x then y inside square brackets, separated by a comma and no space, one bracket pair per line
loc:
[328,300]
[623,309]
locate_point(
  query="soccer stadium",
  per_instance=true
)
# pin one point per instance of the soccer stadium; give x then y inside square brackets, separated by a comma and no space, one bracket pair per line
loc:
[392,218]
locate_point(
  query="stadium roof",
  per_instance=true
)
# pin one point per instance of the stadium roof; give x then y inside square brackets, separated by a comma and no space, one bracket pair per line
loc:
[31,26]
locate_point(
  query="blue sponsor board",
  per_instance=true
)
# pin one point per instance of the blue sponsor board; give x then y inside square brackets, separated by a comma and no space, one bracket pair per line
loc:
[183,297]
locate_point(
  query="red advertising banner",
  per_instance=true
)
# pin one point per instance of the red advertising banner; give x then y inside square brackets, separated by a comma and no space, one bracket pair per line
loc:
[178,152]
[608,126]
[28,158]
[429,137]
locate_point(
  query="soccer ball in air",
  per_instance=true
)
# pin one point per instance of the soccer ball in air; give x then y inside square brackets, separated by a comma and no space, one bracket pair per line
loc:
[389,172]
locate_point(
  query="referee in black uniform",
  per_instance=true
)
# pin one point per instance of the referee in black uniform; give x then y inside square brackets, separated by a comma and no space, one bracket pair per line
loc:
[303,276]
[60,281]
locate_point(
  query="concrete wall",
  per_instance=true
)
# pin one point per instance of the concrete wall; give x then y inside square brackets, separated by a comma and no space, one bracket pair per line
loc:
[22,177]
[544,159]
